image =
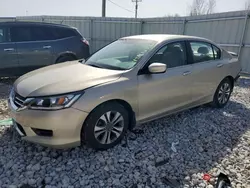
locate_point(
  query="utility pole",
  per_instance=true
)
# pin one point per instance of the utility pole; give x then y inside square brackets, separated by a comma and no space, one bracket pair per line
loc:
[103,8]
[136,6]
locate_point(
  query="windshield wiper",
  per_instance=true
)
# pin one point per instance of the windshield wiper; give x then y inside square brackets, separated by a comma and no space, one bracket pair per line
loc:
[94,65]
[105,66]
[113,67]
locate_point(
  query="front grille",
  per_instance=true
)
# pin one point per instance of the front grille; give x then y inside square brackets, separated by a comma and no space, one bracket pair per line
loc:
[18,100]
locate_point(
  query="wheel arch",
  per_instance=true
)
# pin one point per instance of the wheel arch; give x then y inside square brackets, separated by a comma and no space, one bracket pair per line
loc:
[65,54]
[231,80]
[126,105]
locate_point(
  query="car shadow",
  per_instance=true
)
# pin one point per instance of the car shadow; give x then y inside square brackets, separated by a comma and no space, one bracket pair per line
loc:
[201,138]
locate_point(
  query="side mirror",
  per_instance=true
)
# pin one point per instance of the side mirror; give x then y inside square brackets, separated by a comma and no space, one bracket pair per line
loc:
[155,68]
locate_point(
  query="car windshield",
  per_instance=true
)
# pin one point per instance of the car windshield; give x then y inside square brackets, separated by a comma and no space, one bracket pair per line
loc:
[122,54]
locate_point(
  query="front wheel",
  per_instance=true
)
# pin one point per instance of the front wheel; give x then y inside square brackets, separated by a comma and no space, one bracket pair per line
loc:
[105,126]
[223,93]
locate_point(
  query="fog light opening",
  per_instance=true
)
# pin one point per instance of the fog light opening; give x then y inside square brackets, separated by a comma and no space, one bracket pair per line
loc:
[43,132]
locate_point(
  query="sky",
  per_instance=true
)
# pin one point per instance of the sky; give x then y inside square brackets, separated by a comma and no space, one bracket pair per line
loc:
[147,8]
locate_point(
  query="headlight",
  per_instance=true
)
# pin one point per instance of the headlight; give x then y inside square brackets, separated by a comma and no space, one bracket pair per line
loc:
[52,103]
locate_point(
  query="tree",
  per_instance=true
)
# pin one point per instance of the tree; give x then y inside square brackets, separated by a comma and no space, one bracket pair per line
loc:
[200,7]
[172,15]
[211,6]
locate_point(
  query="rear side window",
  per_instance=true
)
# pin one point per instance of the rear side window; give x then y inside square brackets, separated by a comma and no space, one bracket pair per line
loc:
[201,52]
[40,33]
[20,34]
[30,33]
[4,35]
[217,52]
[60,33]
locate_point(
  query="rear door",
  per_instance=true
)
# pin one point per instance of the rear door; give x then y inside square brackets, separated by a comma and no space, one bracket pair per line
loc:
[68,42]
[33,46]
[8,54]
[207,70]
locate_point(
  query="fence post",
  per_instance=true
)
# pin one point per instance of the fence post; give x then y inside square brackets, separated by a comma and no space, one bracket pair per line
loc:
[243,34]
[91,35]
[141,27]
[184,26]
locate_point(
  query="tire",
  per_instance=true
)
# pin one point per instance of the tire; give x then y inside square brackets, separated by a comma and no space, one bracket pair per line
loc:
[223,93]
[65,59]
[100,135]
[222,184]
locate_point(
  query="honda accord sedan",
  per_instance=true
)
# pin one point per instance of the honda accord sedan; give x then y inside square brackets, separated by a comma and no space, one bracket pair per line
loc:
[128,82]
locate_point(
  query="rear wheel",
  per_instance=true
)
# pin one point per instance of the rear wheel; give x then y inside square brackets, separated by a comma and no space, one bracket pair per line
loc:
[105,126]
[223,93]
[65,58]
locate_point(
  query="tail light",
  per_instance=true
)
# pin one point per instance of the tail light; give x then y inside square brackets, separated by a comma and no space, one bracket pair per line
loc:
[85,41]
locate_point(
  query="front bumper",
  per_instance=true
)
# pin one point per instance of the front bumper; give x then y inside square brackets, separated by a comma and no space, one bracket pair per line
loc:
[66,125]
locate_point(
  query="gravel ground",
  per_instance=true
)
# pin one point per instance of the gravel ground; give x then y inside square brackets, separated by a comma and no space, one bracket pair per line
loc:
[171,152]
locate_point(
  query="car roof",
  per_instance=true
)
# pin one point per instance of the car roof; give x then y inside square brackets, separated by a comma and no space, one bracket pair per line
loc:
[164,37]
[33,23]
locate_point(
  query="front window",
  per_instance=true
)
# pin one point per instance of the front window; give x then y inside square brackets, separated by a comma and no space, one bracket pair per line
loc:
[122,54]
[173,55]
[4,35]
[1,35]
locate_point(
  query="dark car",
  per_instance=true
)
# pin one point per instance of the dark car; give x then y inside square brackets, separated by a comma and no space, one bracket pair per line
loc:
[26,46]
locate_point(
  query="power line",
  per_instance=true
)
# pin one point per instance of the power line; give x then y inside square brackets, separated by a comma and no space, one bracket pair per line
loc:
[120,6]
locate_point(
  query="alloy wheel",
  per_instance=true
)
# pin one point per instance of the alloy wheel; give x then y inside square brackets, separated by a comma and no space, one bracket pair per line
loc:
[109,127]
[224,93]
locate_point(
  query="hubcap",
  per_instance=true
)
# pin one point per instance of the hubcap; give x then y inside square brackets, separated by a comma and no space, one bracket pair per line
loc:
[109,127]
[224,93]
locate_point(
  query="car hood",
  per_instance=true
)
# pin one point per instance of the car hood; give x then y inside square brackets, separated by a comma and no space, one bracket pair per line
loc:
[63,78]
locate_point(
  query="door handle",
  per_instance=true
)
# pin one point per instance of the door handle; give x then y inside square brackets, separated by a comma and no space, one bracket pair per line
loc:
[186,73]
[8,49]
[220,65]
[46,47]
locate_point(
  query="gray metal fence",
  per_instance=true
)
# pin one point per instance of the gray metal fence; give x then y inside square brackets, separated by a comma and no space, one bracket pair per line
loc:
[231,30]
[7,19]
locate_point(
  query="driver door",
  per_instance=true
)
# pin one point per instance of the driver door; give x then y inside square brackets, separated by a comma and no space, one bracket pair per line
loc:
[165,92]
